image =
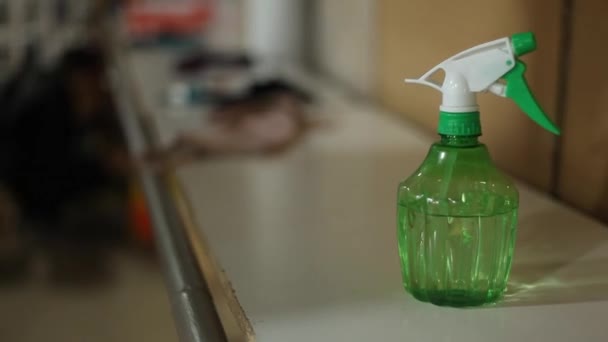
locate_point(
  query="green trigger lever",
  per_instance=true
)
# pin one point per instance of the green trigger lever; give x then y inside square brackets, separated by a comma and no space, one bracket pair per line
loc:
[517,87]
[518,90]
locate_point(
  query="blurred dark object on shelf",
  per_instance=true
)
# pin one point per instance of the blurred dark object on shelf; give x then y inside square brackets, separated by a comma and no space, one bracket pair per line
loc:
[270,87]
[270,118]
[206,77]
[195,62]
[256,95]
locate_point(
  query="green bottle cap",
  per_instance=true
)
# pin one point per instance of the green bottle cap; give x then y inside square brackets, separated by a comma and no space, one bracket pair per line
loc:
[523,43]
[460,124]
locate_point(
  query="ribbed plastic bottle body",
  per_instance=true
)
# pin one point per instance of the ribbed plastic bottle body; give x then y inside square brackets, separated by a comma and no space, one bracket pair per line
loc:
[457,219]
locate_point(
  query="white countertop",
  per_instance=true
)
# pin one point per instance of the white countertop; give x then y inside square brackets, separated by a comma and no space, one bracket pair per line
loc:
[308,239]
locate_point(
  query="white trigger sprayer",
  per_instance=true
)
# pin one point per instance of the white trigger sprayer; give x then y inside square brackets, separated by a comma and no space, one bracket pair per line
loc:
[481,69]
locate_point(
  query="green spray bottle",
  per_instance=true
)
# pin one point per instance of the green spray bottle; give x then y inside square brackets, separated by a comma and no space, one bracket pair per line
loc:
[457,214]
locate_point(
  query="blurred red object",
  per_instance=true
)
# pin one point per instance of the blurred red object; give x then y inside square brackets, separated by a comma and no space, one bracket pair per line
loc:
[139,216]
[146,18]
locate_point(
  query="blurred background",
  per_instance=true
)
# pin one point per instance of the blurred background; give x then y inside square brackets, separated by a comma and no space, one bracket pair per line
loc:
[76,250]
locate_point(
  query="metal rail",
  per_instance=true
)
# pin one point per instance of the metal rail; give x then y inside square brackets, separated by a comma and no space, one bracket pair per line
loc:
[195,315]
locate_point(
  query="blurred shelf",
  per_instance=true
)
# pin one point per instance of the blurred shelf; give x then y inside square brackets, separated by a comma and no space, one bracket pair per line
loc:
[302,246]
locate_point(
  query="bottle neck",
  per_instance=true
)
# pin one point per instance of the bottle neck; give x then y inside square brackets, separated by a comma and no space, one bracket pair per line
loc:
[459,140]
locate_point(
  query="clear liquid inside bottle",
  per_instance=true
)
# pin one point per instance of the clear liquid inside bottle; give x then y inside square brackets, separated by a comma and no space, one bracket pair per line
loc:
[455,260]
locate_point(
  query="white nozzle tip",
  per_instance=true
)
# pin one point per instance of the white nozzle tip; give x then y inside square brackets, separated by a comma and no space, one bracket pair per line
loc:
[410,80]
